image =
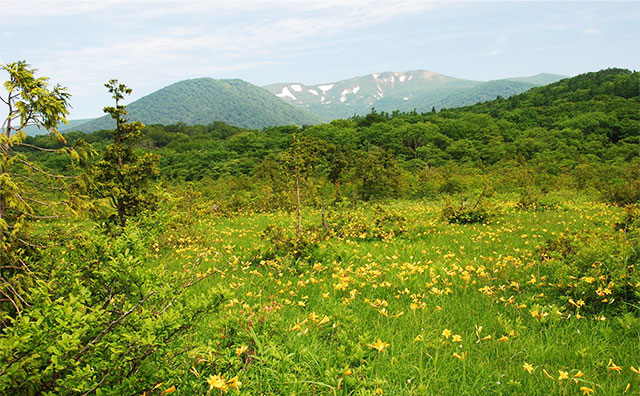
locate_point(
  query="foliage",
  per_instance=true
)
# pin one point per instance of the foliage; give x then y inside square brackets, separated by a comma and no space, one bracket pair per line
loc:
[122,175]
[28,191]
[466,212]
[106,317]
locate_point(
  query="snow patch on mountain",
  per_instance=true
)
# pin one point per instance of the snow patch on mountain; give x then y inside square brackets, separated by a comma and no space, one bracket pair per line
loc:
[355,90]
[296,87]
[286,94]
[313,91]
[325,88]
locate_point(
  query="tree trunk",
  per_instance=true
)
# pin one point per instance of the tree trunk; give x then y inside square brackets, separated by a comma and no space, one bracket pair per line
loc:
[299,209]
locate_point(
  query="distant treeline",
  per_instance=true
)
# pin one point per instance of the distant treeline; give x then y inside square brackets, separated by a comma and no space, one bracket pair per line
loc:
[578,133]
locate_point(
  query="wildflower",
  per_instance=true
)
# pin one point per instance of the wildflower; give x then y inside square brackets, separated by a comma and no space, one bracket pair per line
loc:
[418,338]
[528,367]
[586,391]
[456,338]
[446,333]
[455,355]
[170,390]
[503,339]
[379,391]
[217,382]
[563,375]
[233,383]
[626,389]
[614,367]
[348,371]
[635,370]
[379,345]
[241,350]
[324,320]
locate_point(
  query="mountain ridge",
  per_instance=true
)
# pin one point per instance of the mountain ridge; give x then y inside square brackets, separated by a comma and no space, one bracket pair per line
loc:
[405,91]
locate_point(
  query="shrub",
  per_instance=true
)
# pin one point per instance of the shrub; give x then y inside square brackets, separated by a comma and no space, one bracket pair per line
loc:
[102,317]
[592,270]
[467,213]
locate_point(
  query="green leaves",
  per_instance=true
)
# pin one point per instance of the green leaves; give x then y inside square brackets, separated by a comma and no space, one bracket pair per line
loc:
[122,175]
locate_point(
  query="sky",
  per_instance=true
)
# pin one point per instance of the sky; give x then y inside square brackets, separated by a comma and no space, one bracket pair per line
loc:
[151,44]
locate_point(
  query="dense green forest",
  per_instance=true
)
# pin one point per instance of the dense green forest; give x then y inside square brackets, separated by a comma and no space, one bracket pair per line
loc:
[578,133]
[490,249]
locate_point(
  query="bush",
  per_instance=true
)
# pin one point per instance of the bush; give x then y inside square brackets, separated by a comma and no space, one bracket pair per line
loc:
[533,199]
[466,213]
[384,224]
[593,271]
[288,242]
[103,317]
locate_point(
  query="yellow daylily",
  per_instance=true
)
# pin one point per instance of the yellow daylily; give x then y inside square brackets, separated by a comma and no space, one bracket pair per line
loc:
[379,345]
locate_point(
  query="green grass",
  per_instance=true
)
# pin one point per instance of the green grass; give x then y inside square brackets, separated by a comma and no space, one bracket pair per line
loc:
[476,280]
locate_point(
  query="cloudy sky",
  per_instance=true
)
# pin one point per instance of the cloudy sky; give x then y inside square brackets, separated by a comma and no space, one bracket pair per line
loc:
[150,44]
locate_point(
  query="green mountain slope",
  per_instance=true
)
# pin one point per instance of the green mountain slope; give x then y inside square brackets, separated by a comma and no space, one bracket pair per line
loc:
[205,100]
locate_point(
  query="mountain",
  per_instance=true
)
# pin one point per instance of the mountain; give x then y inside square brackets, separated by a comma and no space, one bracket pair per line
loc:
[33,130]
[205,100]
[404,91]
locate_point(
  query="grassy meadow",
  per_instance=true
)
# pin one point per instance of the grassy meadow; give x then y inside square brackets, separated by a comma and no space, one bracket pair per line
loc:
[413,306]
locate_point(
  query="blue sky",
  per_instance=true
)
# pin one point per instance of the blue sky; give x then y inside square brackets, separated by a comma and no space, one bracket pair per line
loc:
[150,44]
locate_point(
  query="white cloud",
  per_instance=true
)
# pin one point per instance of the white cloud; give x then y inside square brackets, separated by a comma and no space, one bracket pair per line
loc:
[591,30]
[496,52]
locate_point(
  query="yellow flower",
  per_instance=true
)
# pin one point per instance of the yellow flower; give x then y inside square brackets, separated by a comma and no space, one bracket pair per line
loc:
[456,338]
[217,382]
[528,367]
[587,391]
[455,355]
[614,367]
[379,391]
[563,375]
[418,338]
[233,383]
[241,349]
[446,333]
[169,390]
[324,320]
[379,345]
[503,339]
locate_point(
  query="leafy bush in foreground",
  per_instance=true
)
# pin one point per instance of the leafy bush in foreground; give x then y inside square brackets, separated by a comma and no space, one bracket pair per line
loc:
[104,316]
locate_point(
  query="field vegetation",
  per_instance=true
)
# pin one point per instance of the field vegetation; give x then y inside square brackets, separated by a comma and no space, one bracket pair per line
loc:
[487,250]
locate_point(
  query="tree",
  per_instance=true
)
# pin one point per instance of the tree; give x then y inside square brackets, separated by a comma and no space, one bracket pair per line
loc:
[28,191]
[122,175]
[300,159]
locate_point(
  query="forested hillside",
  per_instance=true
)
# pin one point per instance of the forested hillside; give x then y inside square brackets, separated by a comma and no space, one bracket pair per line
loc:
[205,100]
[581,131]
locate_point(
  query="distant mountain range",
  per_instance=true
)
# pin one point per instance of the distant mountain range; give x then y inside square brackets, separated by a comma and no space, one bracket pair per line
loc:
[239,103]
[405,91]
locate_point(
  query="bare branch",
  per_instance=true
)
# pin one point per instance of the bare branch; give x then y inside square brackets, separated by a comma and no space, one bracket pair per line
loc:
[39,148]
[113,324]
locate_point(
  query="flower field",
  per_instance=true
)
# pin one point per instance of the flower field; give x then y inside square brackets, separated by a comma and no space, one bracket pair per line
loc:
[531,302]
